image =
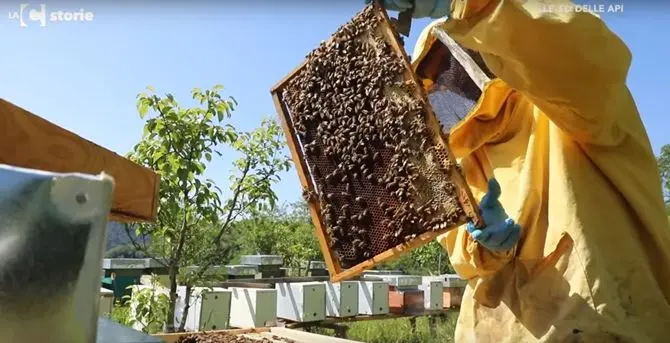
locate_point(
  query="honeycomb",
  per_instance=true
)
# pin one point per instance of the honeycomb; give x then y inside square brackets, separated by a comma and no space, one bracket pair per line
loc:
[381,172]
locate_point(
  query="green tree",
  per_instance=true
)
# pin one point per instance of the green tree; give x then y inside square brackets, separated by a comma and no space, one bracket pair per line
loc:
[664,167]
[194,225]
[124,251]
[287,231]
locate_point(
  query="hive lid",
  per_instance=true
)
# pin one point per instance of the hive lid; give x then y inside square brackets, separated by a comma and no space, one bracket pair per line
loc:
[313,265]
[401,280]
[383,272]
[135,197]
[241,270]
[130,263]
[448,280]
[262,260]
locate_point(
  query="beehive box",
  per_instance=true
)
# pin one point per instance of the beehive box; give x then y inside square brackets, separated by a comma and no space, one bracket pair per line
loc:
[106,302]
[252,307]
[452,297]
[373,162]
[453,288]
[209,308]
[301,301]
[406,301]
[342,299]
[433,295]
[373,297]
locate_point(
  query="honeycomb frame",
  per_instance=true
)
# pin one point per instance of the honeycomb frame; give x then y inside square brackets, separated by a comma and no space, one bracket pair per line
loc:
[337,270]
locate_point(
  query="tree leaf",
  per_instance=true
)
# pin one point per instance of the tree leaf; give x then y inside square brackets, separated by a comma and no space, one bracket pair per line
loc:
[142,107]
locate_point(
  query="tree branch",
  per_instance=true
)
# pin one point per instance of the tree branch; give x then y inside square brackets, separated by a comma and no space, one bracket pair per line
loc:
[217,243]
[236,195]
[253,200]
[142,248]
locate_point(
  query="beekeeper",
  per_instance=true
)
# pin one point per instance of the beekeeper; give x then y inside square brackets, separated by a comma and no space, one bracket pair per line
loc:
[577,244]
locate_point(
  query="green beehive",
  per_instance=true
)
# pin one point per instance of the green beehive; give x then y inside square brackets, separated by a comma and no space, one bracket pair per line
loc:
[120,273]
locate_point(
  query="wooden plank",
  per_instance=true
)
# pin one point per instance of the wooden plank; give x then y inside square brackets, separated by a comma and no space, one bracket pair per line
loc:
[386,256]
[440,139]
[307,337]
[29,141]
[464,59]
[330,321]
[264,337]
[296,153]
[173,337]
[278,87]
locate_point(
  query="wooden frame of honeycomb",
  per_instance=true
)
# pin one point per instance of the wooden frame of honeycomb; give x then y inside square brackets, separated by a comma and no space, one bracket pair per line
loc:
[371,157]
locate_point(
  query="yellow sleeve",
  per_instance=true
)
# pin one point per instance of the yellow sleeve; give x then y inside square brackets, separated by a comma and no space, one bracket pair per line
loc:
[468,258]
[490,118]
[567,62]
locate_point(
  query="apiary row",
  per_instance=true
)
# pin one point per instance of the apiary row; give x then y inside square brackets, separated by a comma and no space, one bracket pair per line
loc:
[216,308]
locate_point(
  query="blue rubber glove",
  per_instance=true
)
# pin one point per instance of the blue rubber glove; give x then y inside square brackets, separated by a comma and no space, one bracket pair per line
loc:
[501,232]
[422,8]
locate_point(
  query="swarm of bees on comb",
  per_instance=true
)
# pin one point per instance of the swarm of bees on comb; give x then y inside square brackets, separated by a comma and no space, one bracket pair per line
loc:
[381,176]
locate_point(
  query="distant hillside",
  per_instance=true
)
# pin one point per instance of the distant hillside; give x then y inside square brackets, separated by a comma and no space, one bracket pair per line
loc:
[117,236]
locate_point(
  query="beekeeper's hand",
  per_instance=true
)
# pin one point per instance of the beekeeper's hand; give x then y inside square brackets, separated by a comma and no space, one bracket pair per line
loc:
[422,8]
[501,232]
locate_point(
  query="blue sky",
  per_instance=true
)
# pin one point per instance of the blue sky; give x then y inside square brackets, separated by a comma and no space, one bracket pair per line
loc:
[85,76]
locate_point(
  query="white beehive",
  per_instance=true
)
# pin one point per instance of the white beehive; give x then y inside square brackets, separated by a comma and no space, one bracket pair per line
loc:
[253,307]
[106,302]
[301,301]
[432,295]
[209,308]
[341,299]
[452,292]
[373,297]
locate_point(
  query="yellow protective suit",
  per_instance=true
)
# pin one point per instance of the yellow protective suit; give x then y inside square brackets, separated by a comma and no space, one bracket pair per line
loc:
[561,133]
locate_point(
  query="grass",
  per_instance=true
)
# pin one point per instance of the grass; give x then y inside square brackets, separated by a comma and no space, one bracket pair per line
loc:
[120,313]
[399,330]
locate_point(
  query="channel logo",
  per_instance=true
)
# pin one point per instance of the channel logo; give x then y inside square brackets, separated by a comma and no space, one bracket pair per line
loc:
[30,13]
